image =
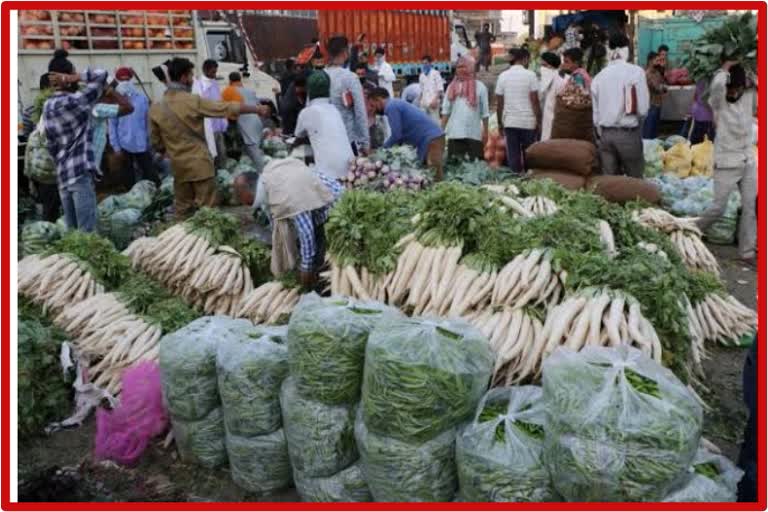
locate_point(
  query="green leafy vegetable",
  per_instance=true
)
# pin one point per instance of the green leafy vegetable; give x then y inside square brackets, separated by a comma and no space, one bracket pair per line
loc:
[259,464]
[345,486]
[97,254]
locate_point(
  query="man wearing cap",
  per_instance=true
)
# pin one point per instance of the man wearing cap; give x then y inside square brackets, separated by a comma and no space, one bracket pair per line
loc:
[129,134]
[321,122]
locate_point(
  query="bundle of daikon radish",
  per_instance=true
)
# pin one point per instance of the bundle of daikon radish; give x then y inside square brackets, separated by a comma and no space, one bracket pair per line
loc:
[56,281]
[684,235]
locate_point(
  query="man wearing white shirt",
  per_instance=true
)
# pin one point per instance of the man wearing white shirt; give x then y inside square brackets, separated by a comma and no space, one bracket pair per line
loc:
[431,88]
[517,108]
[386,73]
[620,100]
[321,122]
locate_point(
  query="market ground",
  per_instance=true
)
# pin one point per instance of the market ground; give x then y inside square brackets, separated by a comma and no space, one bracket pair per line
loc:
[161,476]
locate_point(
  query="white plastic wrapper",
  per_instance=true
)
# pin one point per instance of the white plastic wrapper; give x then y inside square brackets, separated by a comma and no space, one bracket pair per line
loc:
[498,455]
[201,441]
[619,426]
[259,464]
[347,485]
[712,478]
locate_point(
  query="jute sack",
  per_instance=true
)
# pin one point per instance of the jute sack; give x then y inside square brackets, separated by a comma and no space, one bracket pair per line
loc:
[567,180]
[572,121]
[622,189]
[566,155]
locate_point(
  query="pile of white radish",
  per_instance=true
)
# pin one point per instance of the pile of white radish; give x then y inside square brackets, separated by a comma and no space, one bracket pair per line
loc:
[529,279]
[721,318]
[214,279]
[684,235]
[268,303]
[539,205]
[377,175]
[507,195]
[56,281]
[106,332]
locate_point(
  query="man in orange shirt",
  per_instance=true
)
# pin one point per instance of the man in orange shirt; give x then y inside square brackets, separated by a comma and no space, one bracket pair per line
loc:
[231,92]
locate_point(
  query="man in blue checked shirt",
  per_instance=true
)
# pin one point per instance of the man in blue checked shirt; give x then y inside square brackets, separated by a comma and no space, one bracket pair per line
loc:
[69,125]
[298,201]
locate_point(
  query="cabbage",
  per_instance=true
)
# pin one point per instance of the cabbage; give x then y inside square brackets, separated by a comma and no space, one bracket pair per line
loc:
[36,236]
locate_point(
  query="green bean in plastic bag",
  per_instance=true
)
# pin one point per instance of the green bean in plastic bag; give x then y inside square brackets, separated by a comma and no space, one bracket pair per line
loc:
[321,437]
[201,441]
[188,365]
[619,426]
[402,471]
[423,376]
[259,464]
[347,485]
[326,345]
[498,455]
[711,478]
[251,369]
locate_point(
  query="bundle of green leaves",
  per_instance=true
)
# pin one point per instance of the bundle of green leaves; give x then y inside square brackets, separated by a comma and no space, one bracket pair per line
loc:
[147,298]
[97,254]
[735,39]
[44,393]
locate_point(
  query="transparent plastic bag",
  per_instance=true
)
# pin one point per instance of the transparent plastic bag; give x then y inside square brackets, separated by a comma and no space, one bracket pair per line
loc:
[259,464]
[711,478]
[345,486]
[321,438]
[619,426]
[498,455]
[723,230]
[123,433]
[122,225]
[188,365]
[250,371]
[202,441]
[326,344]
[423,376]
[401,471]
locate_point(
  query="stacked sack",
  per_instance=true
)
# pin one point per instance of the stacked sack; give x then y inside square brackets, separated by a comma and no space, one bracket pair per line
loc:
[327,340]
[423,379]
[251,368]
[569,162]
[190,387]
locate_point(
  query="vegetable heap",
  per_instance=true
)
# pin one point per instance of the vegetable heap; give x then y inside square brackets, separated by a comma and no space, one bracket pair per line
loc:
[735,39]
[379,176]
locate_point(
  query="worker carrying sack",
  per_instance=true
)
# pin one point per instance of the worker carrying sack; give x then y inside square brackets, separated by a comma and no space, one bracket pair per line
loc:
[567,155]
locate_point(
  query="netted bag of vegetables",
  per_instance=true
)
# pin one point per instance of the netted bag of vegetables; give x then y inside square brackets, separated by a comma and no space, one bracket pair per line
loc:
[407,471]
[122,225]
[423,376]
[321,438]
[251,368]
[201,441]
[619,426]
[188,365]
[141,194]
[345,486]
[711,478]
[259,464]
[326,346]
[498,455]
[36,236]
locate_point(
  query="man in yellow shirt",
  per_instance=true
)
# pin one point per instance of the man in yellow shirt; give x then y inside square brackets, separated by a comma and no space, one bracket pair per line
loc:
[177,129]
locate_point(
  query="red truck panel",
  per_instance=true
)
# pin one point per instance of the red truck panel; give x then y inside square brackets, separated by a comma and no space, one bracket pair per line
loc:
[408,36]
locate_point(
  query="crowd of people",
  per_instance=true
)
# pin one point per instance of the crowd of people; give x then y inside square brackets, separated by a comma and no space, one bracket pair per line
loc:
[343,107]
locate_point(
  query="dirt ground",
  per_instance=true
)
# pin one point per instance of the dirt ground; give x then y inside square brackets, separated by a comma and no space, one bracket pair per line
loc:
[160,476]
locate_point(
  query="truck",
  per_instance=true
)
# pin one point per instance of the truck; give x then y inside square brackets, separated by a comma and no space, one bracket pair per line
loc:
[139,39]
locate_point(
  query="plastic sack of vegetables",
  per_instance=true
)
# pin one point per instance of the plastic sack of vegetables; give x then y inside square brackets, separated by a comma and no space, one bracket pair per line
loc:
[201,441]
[36,236]
[326,346]
[619,426]
[345,486]
[224,181]
[673,140]
[403,471]
[167,185]
[188,365]
[141,194]
[122,225]
[259,464]
[723,230]
[653,152]
[498,455]
[711,478]
[703,158]
[679,159]
[321,438]
[423,376]
[251,368]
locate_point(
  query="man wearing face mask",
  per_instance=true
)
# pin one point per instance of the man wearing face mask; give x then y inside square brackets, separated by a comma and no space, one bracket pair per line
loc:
[176,128]
[620,99]
[431,88]
[385,72]
[129,134]
[733,105]
[657,87]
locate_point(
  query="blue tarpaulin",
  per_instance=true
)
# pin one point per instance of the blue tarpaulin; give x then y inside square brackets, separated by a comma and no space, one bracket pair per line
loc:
[604,19]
